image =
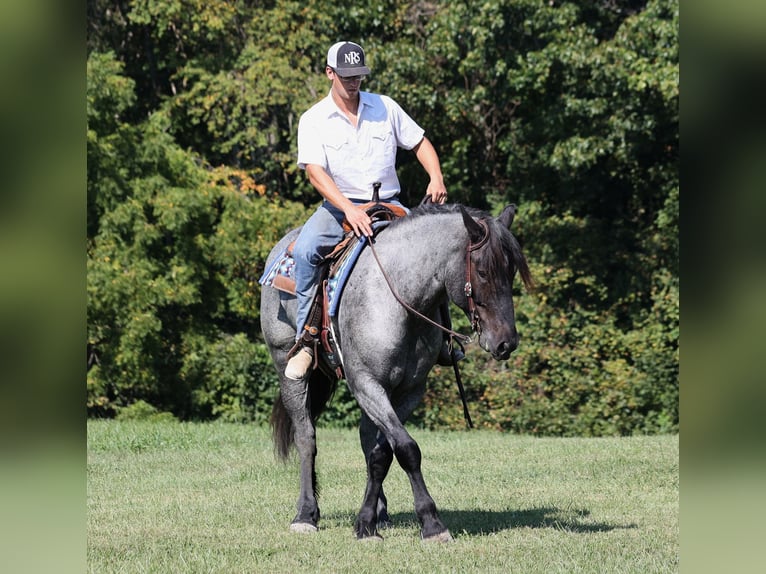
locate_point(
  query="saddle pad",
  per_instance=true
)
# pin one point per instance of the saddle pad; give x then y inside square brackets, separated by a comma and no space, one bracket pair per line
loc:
[281,275]
[337,281]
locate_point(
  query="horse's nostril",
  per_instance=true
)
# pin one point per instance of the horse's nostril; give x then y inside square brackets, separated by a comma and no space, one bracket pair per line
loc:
[504,349]
[507,347]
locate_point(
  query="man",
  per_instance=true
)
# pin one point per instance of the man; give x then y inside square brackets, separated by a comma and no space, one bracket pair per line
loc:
[346,142]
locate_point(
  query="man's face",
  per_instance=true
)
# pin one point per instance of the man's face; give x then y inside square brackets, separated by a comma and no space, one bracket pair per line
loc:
[346,88]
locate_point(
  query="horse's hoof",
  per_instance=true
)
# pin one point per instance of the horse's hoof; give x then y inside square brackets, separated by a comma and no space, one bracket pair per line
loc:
[302,527]
[441,537]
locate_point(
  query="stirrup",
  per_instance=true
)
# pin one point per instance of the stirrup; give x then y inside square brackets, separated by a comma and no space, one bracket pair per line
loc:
[445,358]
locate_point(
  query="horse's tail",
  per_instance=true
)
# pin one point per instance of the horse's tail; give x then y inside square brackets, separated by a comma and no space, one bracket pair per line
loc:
[282,432]
[321,390]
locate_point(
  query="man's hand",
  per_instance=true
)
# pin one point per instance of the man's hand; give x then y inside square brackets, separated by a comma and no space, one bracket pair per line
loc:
[359,221]
[428,158]
[357,218]
[437,191]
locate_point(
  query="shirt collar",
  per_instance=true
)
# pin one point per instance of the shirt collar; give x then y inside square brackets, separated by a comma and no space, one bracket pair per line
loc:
[332,108]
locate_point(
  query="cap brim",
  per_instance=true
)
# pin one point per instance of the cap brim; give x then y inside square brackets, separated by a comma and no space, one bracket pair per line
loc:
[346,72]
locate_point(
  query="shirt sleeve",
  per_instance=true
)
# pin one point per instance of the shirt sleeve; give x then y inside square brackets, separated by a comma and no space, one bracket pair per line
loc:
[408,132]
[310,149]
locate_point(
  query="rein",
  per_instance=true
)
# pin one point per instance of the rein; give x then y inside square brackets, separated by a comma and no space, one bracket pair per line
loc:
[453,334]
[474,315]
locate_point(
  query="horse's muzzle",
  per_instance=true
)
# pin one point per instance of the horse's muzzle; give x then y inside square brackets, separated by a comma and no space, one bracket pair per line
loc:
[505,348]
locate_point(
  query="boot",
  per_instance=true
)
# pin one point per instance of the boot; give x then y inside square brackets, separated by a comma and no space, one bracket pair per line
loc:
[445,359]
[299,364]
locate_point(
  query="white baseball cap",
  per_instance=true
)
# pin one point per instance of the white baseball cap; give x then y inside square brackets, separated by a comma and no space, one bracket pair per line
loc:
[347,59]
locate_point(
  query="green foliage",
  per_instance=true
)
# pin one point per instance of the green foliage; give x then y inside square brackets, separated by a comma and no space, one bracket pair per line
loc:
[576,372]
[568,109]
[233,378]
[174,254]
[143,411]
[591,146]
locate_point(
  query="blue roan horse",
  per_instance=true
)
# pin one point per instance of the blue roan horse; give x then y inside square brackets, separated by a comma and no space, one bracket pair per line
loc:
[387,351]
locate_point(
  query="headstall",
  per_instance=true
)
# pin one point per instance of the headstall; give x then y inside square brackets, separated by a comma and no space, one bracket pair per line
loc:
[468,288]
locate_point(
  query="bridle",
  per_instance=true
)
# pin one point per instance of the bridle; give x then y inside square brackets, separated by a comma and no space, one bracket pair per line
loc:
[468,288]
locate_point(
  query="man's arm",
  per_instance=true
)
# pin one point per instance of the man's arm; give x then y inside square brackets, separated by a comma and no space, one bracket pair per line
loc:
[358,219]
[429,159]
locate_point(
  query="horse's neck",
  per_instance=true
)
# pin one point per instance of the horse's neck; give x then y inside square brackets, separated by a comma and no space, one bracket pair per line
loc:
[426,256]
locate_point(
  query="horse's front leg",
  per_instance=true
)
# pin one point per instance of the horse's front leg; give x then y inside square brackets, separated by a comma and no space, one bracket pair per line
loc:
[378,462]
[397,442]
[304,436]
[408,456]
[368,436]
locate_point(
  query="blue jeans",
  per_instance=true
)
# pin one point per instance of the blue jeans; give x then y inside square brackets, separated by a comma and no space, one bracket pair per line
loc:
[320,234]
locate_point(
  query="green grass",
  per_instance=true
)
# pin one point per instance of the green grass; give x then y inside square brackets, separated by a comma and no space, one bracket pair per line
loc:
[171,497]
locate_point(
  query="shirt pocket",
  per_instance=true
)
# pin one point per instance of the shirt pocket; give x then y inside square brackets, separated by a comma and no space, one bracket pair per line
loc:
[336,148]
[382,152]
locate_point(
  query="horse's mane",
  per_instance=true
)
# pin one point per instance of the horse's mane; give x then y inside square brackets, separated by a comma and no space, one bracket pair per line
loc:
[436,208]
[491,259]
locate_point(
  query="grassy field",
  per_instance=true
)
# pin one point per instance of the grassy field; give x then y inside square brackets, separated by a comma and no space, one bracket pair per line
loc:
[171,497]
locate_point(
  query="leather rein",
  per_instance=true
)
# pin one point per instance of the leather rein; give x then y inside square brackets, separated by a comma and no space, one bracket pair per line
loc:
[473,314]
[467,289]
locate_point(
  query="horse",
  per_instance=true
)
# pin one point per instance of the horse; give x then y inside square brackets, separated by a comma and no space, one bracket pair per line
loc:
[436,254]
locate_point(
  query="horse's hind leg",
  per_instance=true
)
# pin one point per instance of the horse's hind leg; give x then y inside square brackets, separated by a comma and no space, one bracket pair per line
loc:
[294,400]
[307,517]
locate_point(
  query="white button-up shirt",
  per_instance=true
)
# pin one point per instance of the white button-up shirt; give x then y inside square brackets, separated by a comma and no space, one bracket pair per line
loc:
[356,157]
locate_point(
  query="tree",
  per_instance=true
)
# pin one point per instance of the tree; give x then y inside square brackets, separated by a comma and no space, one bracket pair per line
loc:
[569,109]
[174,250]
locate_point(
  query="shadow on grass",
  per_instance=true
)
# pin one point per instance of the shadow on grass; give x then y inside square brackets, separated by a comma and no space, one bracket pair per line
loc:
[478,522]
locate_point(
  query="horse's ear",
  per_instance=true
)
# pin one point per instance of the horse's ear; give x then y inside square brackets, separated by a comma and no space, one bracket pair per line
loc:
[475,231]
[506,218]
